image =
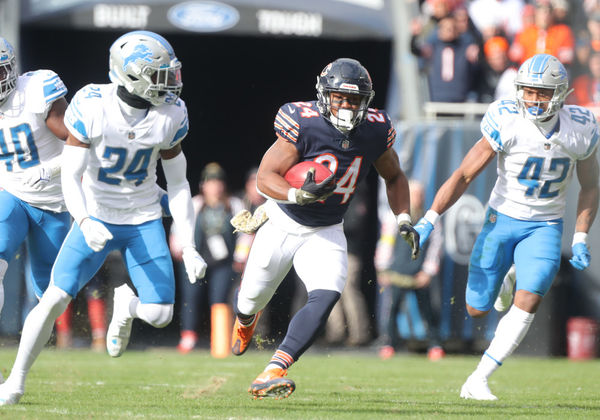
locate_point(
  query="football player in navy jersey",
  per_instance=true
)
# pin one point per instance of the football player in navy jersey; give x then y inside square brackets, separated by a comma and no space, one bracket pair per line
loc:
[304,228]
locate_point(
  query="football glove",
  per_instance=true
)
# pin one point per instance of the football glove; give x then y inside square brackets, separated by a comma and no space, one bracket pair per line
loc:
[36,178]
[95,233]
[195,266]
[410,235]
[424,227]
[581,256]
[247,222]
[311,191]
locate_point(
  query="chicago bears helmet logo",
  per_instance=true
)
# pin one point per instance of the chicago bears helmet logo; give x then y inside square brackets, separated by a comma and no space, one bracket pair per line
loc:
[140,52]
[326,70]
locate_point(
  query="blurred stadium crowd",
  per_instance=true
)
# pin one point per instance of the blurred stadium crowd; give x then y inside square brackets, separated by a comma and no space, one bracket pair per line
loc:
[470,50]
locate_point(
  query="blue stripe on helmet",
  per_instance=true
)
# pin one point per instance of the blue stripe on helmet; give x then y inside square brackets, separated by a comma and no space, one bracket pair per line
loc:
[538,64]
[157,37]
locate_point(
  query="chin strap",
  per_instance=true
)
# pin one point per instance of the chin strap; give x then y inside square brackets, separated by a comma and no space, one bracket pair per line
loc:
[131,99]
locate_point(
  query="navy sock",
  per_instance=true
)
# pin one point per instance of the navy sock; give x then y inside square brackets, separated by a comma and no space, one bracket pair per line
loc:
[308,322]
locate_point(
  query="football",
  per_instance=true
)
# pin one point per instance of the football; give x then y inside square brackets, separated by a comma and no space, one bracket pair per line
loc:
[296,175]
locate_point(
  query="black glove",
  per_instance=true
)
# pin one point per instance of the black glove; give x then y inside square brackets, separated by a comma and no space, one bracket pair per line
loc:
[411,236]
[311,191]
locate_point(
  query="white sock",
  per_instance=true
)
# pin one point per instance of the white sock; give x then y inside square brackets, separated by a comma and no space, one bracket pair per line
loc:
[510,332]
[272,366]
[36,333]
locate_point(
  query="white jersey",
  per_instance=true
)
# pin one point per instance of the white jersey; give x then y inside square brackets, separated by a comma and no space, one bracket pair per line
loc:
[119,182]
[26,141]
[533,170]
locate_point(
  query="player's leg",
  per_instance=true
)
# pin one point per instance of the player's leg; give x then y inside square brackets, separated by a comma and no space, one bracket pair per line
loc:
[537,259]
[14,225]
[151,270]
[75,264]
[46,235]
[505,295]
[321,264]
[269,261]
[491,258]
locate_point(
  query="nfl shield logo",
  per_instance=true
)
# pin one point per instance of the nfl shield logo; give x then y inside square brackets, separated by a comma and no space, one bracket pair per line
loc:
[546,146]
[131,135]
[492,218]
[345,144]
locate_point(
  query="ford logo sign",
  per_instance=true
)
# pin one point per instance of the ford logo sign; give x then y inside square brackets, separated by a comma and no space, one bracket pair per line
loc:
[203,16]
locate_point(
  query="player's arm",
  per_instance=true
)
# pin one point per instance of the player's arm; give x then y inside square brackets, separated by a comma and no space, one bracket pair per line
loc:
[270,181]
[174,167]
[74,161]
[587,207]
[55,121]
[472,165]
[396,187]
[276,161]
[38,177]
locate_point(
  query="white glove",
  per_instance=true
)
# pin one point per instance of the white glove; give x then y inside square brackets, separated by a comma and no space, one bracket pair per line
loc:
[37,177]
[95,233]
[195,266]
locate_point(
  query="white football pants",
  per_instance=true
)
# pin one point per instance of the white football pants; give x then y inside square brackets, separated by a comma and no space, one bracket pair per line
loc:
[319,256]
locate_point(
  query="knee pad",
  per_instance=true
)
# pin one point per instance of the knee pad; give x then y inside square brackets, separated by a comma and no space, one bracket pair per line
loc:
[156,314]
[55,300]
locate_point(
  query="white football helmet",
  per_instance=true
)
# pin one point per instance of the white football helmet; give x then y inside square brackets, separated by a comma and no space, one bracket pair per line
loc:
[8,69]
[542,71]
[145,64]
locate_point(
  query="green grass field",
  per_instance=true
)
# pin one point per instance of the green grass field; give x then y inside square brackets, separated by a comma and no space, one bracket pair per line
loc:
[161,384]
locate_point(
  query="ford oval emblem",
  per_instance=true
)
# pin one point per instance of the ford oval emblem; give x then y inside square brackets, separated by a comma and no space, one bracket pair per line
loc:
[203,16]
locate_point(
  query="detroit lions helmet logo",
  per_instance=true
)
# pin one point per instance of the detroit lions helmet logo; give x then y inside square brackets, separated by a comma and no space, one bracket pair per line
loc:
[140,52]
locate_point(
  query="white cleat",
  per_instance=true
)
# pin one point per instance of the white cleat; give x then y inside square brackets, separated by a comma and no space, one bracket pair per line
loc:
[9,396]
[505,296]
[476,388]
[119,329]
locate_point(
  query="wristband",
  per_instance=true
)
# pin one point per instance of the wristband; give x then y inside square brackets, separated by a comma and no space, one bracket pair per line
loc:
[431,216]
[579,238]
[292,195]
[403,218]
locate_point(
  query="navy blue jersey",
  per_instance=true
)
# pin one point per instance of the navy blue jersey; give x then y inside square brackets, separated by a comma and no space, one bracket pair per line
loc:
[349,156]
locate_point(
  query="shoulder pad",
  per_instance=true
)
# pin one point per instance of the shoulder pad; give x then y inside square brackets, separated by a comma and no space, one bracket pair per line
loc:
[42,88]
[496,116]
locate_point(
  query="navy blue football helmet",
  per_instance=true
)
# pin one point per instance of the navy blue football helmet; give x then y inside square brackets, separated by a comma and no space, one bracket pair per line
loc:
[344,75]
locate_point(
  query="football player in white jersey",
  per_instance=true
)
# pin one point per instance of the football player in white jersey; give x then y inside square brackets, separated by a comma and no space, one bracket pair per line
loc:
[539,143]
[117,133]
[32,134]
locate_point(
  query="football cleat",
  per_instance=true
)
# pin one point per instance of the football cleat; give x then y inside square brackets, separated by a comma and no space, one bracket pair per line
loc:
[119,329]
[272,383]
[242,335]
[9,396]
[505,295]
[476,388]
